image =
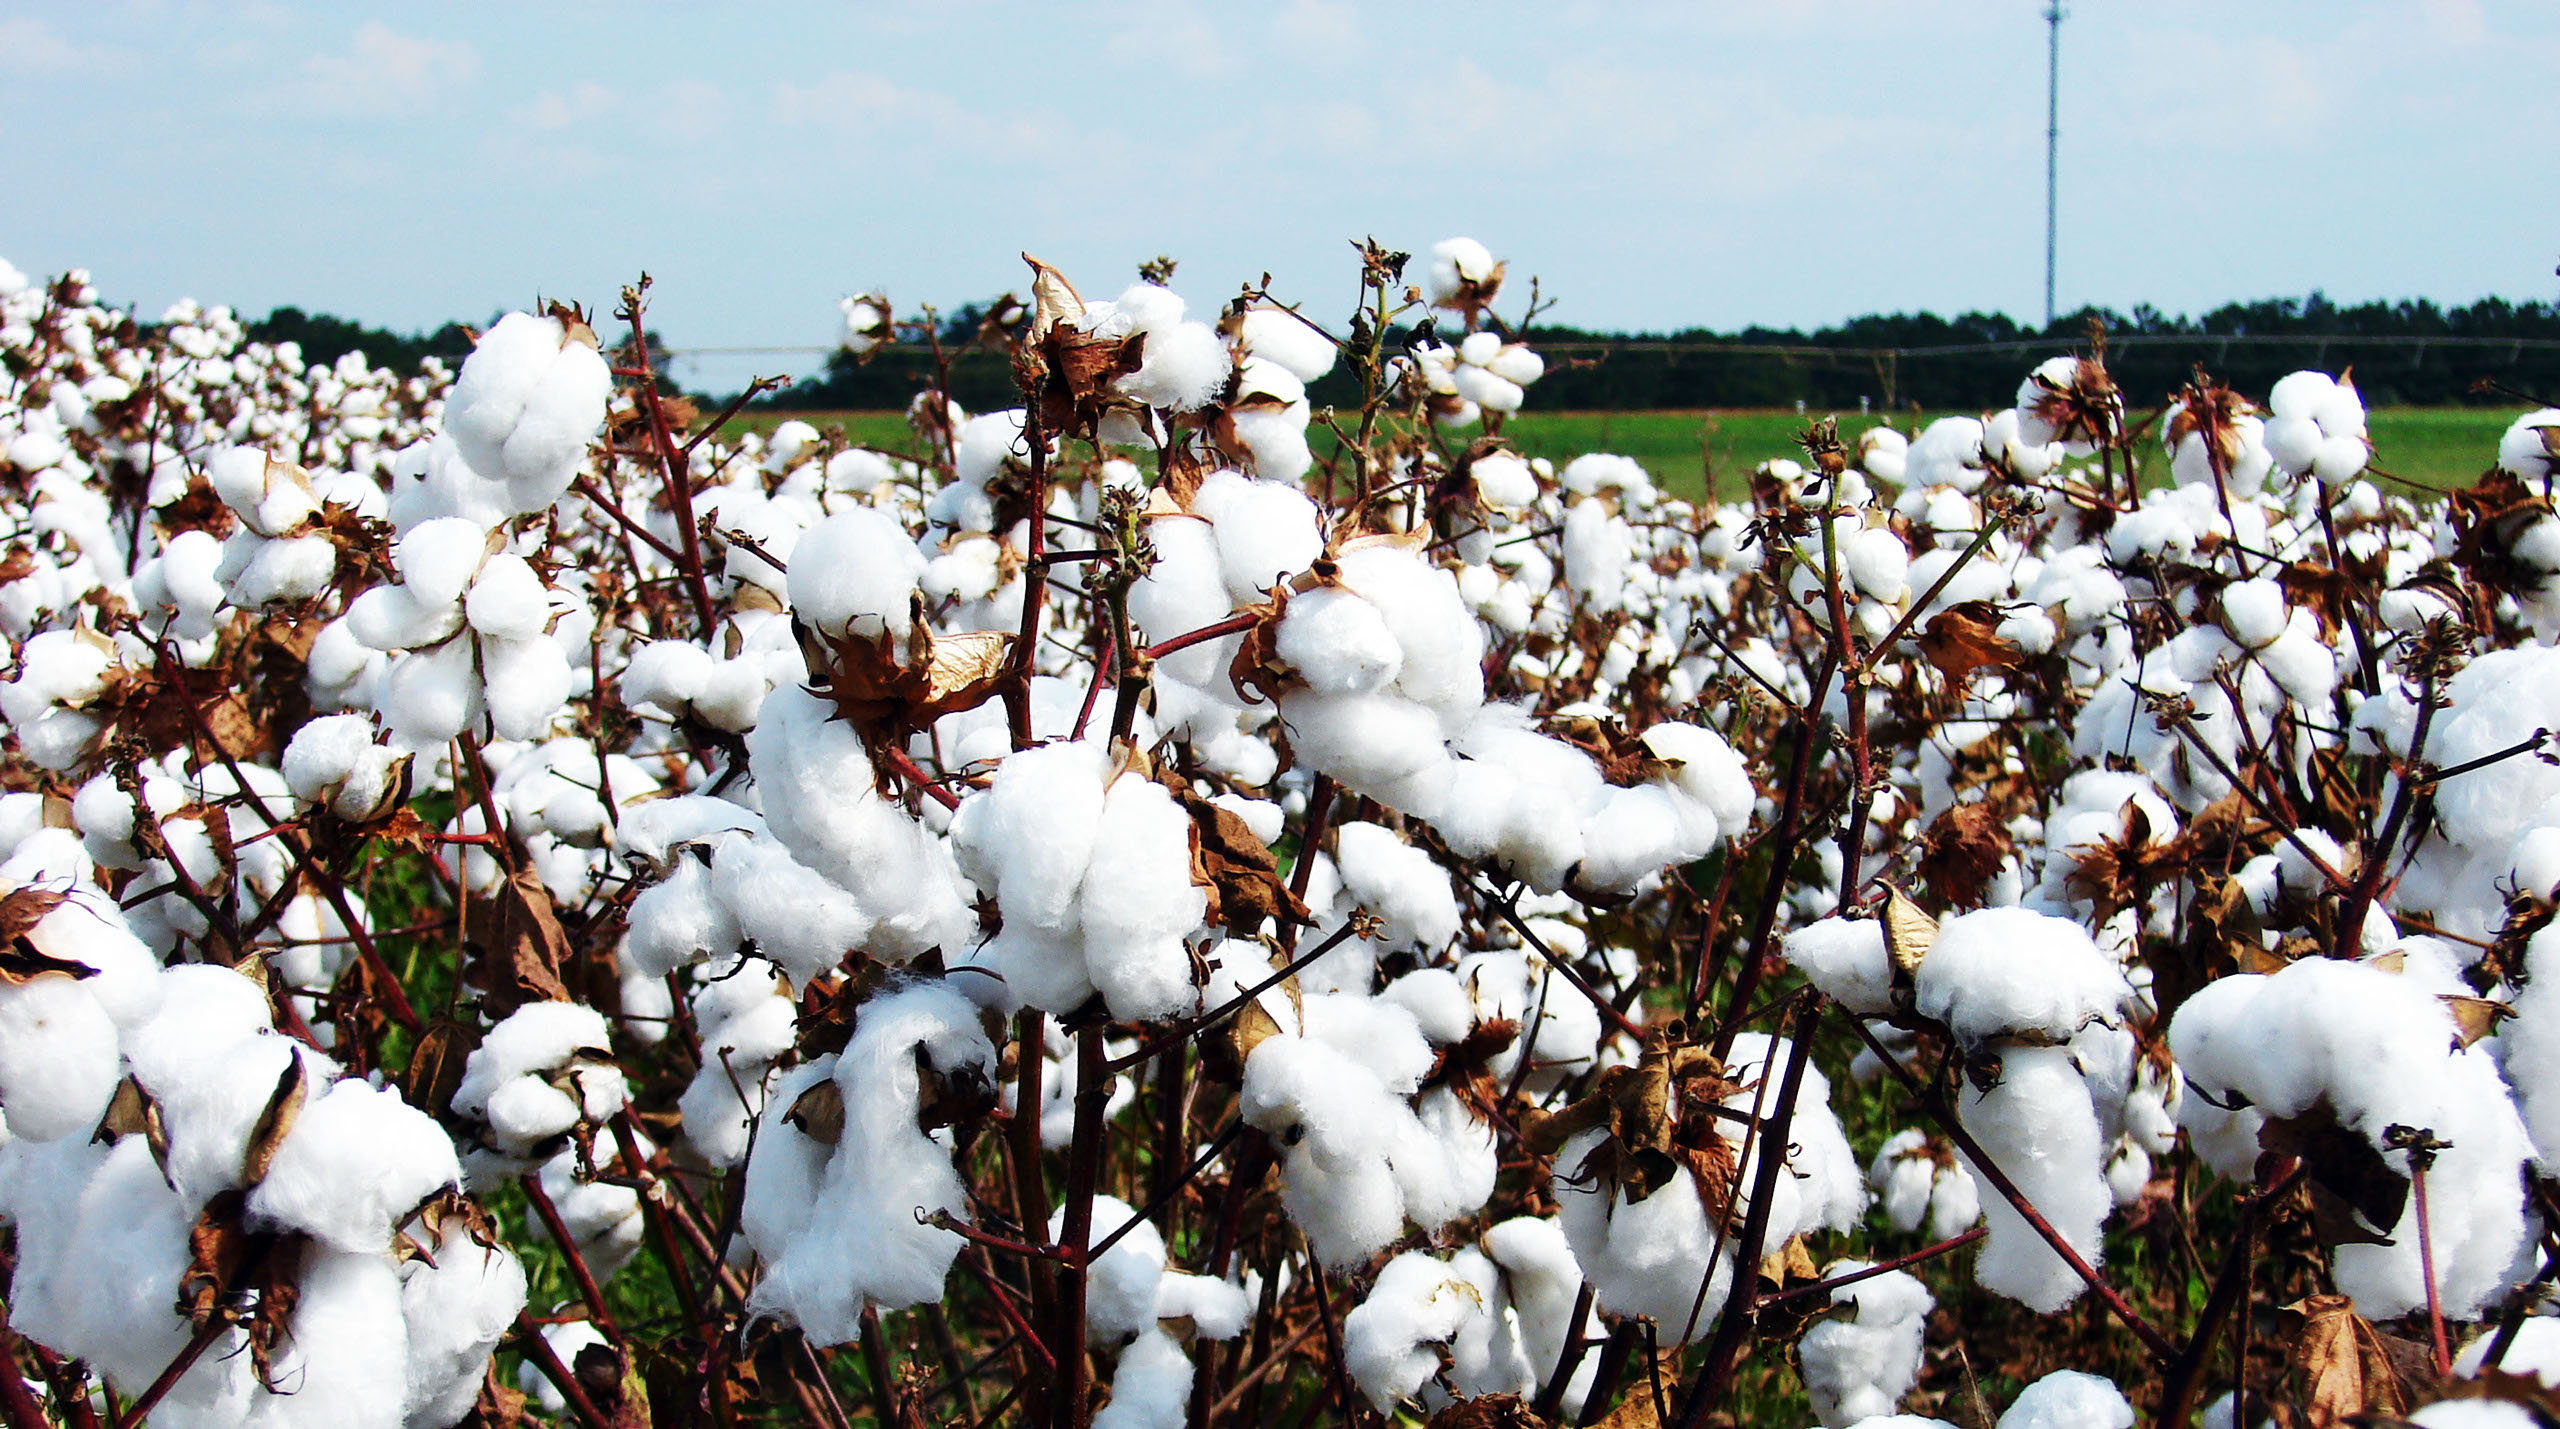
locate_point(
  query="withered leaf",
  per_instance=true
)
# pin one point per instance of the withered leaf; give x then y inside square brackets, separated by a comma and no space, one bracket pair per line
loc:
[133,1112]
[275,1122]
[1257,672]
[1908,932]
[520,945]
[886,694]
[1961,851]
[2475,1017]
[2339,1161]
[1487,1411]
[435,1067]
[1237,869]
[1624,759]
[1965,637]
[818,1113]
[2344,1369]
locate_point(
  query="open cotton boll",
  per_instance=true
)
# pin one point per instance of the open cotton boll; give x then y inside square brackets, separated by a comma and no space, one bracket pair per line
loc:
[1120,1284]
[1187,365]
[1265,530]
[357,1160]
[436,559]
[1504,481]
[456,1303]
[1398,882]
[1138,902]
[1418,1302]
[1442,643]
[58,1059]
[2530,445]
[1382,745]
[2253,611]
[1152,1387]
[855,573]
[1845,958]
[1711,771]
[529,401]
[1284,338]
[2006,971]
[507,601]
[843,1228]
[1597,546]
[1542,1284]
[1645,1257]
[2036,1124]
[1462,274]
[2475,1414]
[1184,590]
[1860,1368]
[528,681]
[345,1364]
[797,919]
[2069,1399]
[1338,643]
[1030,834]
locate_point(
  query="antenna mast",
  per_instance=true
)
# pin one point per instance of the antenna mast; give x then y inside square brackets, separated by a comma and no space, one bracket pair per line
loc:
[2052,139]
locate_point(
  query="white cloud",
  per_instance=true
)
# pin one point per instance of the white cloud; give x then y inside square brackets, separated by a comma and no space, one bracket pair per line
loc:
[384,71]
[552,109]
[29,46]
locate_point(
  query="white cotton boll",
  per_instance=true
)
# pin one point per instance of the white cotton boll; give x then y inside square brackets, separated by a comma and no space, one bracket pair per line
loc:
[357,1160]
[535,1038]
[392,617]
[798,920]
[1633,834]
[2069,1399]
[1217,1309]
[1029,836]
[2253,611]
[1711,771]
[345,1363]
[1187,366]
[677,921]
[1486,389]
[1458,266]
[1879,564]
[1338,643]
[2341,459]
[666,674]
[528,682]
[1417,1302]
[1265,530]
[1120,1284]
[1647,1257]
[2534,1351]
[855,572]
[1381,745]
[1151,1389]
[1597,546]
[1184,590]
[1138,902]
[284,571]
[2009,970]
[432,695]
[1504,481]
[1860,1368]
[455,1308]
[566,1340]
[843,1228]
[2475,1414]
[507,600]
[1275,439]
[1845,958]
[2301,394]
[1443,645]
[2294,443]
[1281,337]
[2525,449]
[436,558]
[58,1064]
[2036,1124]
[1265,818]
[1398,882]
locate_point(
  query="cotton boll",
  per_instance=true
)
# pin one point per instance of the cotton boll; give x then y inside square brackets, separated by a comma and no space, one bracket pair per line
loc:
[436,559]
[2253,612]
[1597,546]
[1284,338]
[432,695]
[1138,902]
[2069,1399]
[1186,367]
[1846,959]
[346,1360]
[1442,643]
[507,600]
[1647,1257]
[2009,970]
[2340,459]
[528,681]
[358,1159]
[1265,530]
[1381,745]
[1504,481]
[58,1063]
[1399,883]
[1338,643]
[797,919]
[855,573]
[1030,835]
[1184,590]
[2530,444]
[455,1308]
[1152,1389]
[1120,1284]
[1634,833]
[285,571]
[1710,772]
[1860,1368]
[2036,1123]
[1417,1302]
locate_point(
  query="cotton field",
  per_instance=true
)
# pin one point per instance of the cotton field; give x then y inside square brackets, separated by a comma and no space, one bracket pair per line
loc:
[1166,905]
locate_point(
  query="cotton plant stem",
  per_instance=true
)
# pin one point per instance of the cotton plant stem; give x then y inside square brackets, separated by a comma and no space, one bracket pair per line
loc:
[1881,1267]
[2177,1392]
[1084,1169]
[2427,1266]
[1550,1398]
[534,1347]
[585,1279]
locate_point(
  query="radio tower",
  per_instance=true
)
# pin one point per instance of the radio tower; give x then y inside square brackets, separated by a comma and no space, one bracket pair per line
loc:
[2052,139]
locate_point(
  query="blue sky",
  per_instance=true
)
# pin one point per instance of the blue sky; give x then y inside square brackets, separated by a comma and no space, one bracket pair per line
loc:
[1791,162]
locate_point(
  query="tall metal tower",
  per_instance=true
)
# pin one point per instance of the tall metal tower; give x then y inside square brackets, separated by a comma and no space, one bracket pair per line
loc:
[2052,138]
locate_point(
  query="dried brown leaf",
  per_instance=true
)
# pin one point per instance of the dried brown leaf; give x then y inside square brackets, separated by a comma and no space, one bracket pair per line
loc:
[275,1121]
[1965,637]
[1961,851]
[2344,1369]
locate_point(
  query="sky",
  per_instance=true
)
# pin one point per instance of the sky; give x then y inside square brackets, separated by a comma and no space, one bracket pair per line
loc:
[1656,166]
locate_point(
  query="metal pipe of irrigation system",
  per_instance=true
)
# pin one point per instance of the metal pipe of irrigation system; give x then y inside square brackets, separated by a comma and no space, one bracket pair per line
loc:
[2052,140]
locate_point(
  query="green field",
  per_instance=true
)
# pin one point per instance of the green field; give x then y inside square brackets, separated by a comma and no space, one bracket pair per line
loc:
[1689,452]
